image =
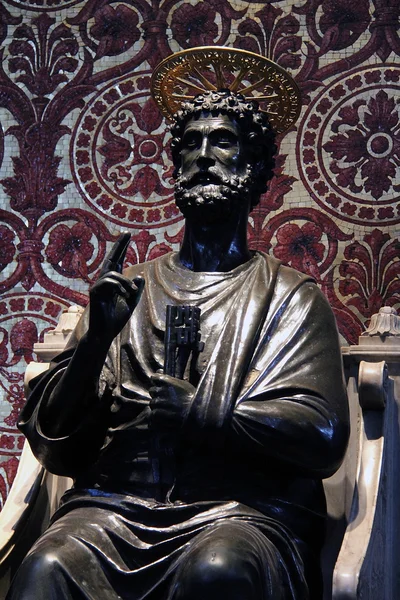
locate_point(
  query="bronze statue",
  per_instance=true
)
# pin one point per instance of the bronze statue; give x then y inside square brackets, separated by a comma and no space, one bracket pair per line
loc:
[206,484]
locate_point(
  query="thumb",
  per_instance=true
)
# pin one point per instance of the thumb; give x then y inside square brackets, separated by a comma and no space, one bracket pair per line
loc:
[139,284]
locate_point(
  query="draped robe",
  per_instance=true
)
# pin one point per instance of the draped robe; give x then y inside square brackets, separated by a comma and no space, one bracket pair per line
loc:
[268,421]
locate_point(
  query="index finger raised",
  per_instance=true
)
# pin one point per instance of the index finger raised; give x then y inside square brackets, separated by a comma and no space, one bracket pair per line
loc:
[115,259]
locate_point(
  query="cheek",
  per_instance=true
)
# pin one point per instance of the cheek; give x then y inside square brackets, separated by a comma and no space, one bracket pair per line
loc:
[230,159]
[187,160]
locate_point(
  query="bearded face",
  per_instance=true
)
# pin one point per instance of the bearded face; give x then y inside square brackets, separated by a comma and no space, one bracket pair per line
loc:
[214,196]
[214,180]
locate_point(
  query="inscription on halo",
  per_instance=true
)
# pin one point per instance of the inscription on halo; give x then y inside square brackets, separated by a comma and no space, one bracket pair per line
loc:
[182,76]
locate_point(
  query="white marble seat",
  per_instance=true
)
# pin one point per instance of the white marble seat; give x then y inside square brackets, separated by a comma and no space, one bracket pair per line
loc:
[363,542]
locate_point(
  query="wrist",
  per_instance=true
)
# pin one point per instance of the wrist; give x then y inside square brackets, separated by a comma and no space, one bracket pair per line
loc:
[93,349]
[99,339]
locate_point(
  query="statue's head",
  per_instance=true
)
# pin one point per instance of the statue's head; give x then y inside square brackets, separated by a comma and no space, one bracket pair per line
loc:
[223,151]
[233,173]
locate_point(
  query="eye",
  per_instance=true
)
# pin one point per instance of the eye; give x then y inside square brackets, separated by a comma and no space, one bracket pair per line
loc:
[224,139]
[190,141]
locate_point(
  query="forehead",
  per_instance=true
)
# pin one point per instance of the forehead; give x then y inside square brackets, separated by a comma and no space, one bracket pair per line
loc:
[207,122]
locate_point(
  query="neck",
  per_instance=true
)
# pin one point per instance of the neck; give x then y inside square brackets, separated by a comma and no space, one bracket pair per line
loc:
[220,246]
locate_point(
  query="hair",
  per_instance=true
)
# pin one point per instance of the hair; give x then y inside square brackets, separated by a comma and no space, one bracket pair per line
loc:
[254,125]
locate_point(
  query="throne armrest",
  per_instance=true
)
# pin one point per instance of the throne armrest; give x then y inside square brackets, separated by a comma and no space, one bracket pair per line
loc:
[35,493]
[364,516]
[367,564]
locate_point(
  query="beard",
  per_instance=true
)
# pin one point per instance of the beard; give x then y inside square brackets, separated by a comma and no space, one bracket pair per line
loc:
[215,200]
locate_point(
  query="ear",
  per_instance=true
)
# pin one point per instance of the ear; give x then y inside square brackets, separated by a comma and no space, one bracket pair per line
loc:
[256,154]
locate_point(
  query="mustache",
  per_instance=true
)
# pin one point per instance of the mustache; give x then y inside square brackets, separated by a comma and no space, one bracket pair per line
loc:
[211,176]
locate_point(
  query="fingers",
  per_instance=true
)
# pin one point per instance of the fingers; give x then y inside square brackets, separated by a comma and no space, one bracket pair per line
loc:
[160,379]
[158,403]
[138,285]
[162,415]
[159,393]
[170,401]
[162,397]
[115,259]
[116,283]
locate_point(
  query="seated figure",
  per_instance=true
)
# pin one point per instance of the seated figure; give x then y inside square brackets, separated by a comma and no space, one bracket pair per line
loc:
[206,483]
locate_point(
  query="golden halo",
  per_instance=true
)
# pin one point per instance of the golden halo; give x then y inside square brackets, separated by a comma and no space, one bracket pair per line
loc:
[183,75]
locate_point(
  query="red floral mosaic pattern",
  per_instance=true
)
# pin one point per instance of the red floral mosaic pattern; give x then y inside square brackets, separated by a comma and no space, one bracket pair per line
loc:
[120,156]
[370,273]
[75,75]
[23,321]
[70,250]
[115,28]
[349,147]
[42,5]
[370,146]
[8,469]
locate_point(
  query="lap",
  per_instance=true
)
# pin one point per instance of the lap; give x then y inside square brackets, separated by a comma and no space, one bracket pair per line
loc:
[97,554]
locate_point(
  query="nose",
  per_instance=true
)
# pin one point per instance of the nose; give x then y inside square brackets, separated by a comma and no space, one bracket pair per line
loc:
[205,158]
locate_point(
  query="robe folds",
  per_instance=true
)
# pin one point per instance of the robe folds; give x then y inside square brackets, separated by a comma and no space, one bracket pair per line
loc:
[268,421]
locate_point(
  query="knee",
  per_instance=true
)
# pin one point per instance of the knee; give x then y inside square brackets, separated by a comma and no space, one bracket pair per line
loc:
[216,571]
[46,565]
[32,578]
[218,564]
[41,561]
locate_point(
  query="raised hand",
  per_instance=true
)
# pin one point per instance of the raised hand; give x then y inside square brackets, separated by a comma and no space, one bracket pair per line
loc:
[113,297]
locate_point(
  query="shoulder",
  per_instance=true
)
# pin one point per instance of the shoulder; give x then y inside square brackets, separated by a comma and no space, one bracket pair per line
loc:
[285,276]
[292,287]
[145,268]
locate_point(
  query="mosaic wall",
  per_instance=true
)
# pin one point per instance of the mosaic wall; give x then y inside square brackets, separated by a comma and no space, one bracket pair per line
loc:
[84,153]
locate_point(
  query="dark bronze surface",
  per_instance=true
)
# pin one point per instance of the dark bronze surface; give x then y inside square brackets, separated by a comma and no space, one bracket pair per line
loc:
[206,485]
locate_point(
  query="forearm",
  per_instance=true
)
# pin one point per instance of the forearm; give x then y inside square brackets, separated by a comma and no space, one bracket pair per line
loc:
[301,431]
[77,390]
[67,439]
[67,415]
